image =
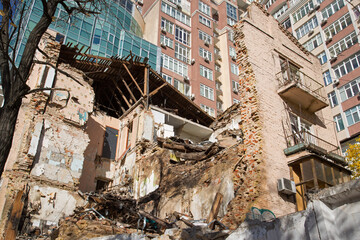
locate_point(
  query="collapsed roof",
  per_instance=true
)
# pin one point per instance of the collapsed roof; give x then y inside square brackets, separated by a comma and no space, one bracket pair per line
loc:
[121,84]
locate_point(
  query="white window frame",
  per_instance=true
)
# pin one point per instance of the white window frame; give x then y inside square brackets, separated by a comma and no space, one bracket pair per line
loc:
[182,35]
[234,68]
[332,8]
[333,99]
[353,114]
[281,11]
[347,66]
[167,78]
[167,41]
[173,12]
[205,37]
[182,52]
[327,77]
[232,51]
[313,43]
[343,44]
[206,72]
[206,92]
[204,8]
[338,25]
[168,25]
[184,88]
[349,90]
[174,65]
[208,110]
[303,11]
[205,54]
[322,57]
[339,123]
[306,27]
[204,21]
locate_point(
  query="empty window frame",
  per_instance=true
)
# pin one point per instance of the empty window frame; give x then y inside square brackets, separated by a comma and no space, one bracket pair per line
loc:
[110,143]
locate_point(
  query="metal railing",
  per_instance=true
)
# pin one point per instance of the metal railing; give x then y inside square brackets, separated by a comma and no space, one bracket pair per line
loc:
[305,82]
[311,140]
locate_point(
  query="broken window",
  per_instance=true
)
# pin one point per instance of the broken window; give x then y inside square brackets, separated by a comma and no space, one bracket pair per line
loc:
[312,174]
[110,143]
[289,71]
[101,185]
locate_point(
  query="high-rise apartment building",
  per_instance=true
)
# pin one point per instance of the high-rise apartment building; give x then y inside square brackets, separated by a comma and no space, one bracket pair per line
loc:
[330,30]
[198,53]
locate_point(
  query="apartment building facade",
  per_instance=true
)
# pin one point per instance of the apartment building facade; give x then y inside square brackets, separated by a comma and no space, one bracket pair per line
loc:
[198,53]
[330,30]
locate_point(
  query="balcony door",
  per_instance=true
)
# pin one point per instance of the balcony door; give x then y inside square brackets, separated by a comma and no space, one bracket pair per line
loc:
[301,130]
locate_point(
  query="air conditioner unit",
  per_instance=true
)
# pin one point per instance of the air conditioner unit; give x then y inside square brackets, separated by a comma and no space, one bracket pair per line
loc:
[192,96]
[286,186]
[207,43]
[328,39]
[207,60]
[333,58]
[311,32]
[163,45]
[233,58]
[186,79]
[316,6]
[311,11]
[140,2]
[336,81]
[235,91]
[324,21]
[192,61]
[179,7]
[163,30]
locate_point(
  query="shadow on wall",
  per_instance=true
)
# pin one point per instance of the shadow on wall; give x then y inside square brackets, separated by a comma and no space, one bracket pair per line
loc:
[96,136]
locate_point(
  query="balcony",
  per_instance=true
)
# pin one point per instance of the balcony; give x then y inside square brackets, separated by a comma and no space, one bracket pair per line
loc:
[304,140]
[298,88]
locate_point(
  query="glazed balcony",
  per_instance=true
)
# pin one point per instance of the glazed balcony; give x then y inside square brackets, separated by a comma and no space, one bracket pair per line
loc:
[298,88]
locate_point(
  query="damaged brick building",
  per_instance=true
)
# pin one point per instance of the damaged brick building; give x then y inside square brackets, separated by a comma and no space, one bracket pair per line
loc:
[114,126]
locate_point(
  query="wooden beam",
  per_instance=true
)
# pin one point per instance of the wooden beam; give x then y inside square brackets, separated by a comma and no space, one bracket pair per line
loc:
[157,89]
[127,87]
[132,78]
[15,216]
[117,100]
[122,94]
[215,209]
[159,221]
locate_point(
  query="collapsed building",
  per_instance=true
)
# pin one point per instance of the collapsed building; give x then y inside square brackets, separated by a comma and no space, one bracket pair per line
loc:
[113,126]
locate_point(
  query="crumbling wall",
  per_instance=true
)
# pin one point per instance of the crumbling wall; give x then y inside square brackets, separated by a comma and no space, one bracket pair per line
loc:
[46,160]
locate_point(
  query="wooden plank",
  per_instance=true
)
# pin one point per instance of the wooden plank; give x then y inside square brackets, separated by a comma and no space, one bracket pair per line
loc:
[157,89]
[122,95]
[132,78]
[127,87]
[15,216]
[215,209]
[314,174]
[159,221]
